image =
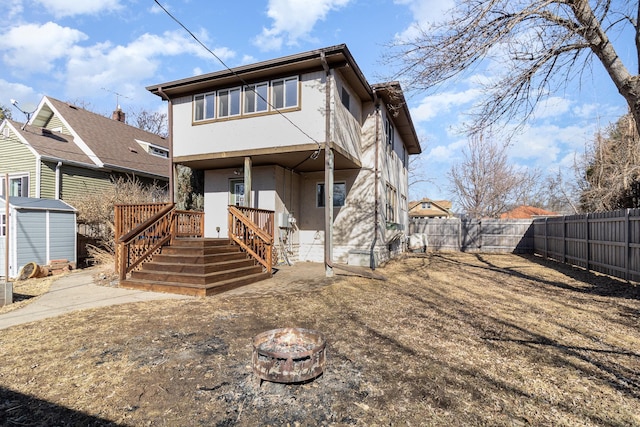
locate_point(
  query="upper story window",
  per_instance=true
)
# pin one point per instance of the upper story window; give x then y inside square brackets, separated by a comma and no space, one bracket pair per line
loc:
[345,97]
[426,205]
[18,185]
[392,203]
[389,133]
[160,152]
[250,99]
[255,98]
[229,102]
[285,92]
[204,106]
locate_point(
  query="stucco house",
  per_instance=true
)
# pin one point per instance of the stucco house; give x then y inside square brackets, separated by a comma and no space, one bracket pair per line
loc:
[65,150]
[427,208]
[305,136]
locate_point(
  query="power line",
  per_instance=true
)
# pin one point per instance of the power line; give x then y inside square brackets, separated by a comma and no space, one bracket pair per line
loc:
[242,80]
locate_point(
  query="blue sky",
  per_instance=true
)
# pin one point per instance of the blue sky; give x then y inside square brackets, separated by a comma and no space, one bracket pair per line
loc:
[88,50]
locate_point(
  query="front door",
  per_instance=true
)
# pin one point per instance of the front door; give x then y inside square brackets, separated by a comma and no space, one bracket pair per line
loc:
[236,192]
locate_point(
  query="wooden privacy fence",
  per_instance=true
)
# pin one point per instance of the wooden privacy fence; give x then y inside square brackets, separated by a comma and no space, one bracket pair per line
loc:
[471,235]
[607,242]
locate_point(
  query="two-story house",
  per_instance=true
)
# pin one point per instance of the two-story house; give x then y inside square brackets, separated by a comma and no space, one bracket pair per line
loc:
[305,136]
[65,151]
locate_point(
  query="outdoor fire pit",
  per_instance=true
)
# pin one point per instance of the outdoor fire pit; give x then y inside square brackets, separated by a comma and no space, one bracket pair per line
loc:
[288,355]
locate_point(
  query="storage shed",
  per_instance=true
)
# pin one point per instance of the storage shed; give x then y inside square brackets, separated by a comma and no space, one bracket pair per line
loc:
[40,230]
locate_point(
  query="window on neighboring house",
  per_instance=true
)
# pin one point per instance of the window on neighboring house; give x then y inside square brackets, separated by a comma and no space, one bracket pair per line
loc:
[392,203]
[389,133]
[160,152]
[426,205]
[285,92]
[3,225]
[339,194]
[204,106]
[229,102]
[18,186]
[255,98]
[346,99]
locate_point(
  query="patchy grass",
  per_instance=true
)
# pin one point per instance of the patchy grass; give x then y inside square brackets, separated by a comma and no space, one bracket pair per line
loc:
[448,339]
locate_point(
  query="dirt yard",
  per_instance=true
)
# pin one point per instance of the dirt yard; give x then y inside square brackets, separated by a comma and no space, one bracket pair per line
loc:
[448,339]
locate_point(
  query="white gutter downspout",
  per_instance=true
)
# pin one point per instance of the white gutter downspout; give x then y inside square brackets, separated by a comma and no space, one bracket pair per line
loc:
[58,180]
[328,174]
[38,176]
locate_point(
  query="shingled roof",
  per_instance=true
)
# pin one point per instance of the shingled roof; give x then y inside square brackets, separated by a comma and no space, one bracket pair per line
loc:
[67,132]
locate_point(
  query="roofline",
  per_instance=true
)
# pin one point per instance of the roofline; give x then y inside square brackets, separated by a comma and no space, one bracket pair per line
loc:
[392,94]
[191,83]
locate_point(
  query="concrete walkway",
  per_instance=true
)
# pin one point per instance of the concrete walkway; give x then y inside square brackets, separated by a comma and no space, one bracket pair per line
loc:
[76,291]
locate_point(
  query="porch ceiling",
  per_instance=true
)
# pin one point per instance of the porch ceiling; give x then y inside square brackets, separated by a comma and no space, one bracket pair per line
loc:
[299,161]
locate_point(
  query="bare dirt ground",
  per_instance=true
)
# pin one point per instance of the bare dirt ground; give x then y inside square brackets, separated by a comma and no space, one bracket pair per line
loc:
[448,339]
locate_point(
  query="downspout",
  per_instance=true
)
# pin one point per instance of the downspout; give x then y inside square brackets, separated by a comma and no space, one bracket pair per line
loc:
[38,176]
[376,224]
[328,174]
[172,167]
[58,180]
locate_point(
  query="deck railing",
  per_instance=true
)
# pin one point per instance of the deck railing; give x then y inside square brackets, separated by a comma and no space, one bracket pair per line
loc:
[252,230]
[162,224]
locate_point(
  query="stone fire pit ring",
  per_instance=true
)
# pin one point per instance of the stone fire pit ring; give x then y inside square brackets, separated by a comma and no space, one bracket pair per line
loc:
[289,355]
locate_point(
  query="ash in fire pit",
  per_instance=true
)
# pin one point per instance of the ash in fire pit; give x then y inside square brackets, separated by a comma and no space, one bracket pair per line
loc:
[288,355]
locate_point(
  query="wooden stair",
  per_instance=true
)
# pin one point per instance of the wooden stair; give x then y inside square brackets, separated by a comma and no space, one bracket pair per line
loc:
[196,267]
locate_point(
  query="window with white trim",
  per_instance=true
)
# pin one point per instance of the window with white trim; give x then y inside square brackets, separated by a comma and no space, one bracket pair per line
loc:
[3,225]
[255,98]
[339,194]
[18,185]
[204,106]
[285,92]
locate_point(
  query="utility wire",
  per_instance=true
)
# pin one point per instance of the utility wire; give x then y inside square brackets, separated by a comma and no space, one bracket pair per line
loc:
[315,154]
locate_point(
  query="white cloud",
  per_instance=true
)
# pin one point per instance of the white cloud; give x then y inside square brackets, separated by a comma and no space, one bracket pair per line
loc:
[424,13]
[126,66]
[62,8]
[34,48]
[442,103]
[552,107]
[293,20]
[22,93]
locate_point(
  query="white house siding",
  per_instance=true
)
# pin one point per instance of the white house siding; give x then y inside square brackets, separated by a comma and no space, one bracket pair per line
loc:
[252,132]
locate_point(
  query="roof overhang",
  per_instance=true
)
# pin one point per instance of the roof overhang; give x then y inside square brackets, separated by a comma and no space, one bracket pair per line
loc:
[392,96]
[336,57]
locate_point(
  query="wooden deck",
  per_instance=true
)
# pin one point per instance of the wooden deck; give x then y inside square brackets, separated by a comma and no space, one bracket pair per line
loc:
[196,267]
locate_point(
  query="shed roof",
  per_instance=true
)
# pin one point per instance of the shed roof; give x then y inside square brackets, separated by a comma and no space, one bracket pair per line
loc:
[37,204]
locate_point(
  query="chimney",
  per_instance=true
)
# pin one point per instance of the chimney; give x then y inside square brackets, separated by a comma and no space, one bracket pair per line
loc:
[119,115]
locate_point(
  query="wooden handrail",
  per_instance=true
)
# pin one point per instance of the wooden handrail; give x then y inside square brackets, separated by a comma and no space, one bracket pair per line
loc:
[256,240]
[138,244]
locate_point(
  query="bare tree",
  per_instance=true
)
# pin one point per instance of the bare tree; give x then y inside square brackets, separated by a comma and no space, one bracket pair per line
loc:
[484,184]
[611,169]
[151,122]
[542,45]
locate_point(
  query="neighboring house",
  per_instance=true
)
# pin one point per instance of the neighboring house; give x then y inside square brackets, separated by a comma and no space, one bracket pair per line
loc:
[526,212]
[427,208]
[40,231]
[261,131]
[65,151]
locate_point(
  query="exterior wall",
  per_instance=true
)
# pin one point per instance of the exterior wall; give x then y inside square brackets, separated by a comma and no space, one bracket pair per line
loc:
[252,132]
[217,196]
[78,181]
[17,158]
[346,123]
[39,236]
[62,236]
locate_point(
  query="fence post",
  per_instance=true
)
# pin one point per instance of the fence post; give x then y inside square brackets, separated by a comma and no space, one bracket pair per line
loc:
[587,242]
[546,239]
[627,245]
[564,239]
